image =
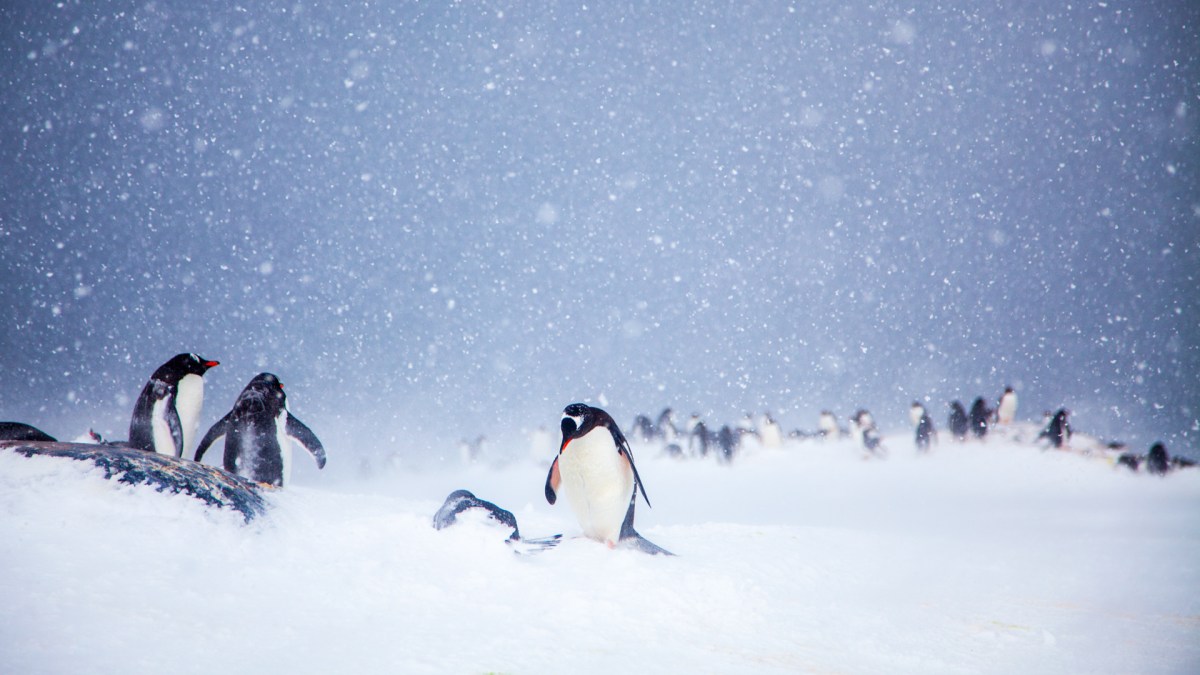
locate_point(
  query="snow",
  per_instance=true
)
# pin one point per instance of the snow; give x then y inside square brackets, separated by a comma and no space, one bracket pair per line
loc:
[977,558]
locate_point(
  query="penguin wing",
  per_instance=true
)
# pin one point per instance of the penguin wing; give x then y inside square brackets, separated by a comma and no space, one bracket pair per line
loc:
[215,432]
[553,479]
[624,450]
[176,429]
[304,436]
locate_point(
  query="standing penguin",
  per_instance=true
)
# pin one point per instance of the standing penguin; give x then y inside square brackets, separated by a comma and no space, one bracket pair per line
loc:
[1006,410]
[259,432]
[595,467]
[959,424]
[1157,461]
[1058,431]
[167,413]
[924,423]
[979,417]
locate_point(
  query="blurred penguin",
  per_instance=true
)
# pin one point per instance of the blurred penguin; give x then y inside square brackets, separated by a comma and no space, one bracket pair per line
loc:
[959,424]
[1006,410]
[979,417]
[699,437]
[770,432]
[862,427]
[926,434]
[1157,461]
[727,444]
[1058,432]
[665,427]
[827,426]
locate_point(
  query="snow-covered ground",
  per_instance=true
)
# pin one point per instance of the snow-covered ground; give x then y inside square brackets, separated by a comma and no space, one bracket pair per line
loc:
[988,557]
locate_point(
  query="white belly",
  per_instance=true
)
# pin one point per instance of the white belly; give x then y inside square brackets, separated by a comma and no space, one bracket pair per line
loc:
[1008,409]
[598,483]
[163,442]
[188,402]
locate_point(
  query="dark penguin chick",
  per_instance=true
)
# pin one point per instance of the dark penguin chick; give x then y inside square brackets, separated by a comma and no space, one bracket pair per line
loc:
[461,501]
[1157,461]
[167,413]
[19,431]
[979,417]
[1058,431]
[595,469]
[959,424]
[259,433]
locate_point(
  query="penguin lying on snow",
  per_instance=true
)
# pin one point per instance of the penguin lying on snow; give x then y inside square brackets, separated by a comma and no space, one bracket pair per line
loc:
[19,431]
[259,432]
[461,501]
[595,468]
[167,413]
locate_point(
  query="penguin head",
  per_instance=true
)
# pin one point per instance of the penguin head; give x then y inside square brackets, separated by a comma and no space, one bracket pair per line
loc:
[578,419]
[267,389]
[181,365]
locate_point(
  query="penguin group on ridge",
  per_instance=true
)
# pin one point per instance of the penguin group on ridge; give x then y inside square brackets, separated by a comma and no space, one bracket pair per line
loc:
[259,431]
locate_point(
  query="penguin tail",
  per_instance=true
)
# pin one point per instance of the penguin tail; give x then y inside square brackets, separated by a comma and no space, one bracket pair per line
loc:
[637,542]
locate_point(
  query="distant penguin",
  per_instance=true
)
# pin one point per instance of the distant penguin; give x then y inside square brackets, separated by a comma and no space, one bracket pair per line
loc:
[863,428]
[1157,461]
[1058,431]
[959,425]
[728,443]
[643,429]
[167,413]
[827,426]
[769,432]
[1006,410]
[665,427]
[595,468]
[979,417]
[471,450]
[924,424]
[19,431]
[699,438]
[259,433]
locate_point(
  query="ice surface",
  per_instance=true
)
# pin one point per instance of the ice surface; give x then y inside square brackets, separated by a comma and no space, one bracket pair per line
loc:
[977,558]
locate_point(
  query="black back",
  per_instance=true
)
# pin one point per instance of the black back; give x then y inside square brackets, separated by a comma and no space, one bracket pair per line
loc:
[461,500]
[1058,431]
[1157,461]
[979,417]
[959,424]
[19,431]
[925,432]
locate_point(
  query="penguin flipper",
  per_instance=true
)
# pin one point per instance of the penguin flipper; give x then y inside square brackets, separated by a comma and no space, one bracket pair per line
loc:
[304,436]
[553,479]
[176,430]
[624,449]
[215,432]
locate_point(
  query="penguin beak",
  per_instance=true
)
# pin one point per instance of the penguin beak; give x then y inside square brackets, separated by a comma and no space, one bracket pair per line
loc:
[210,364]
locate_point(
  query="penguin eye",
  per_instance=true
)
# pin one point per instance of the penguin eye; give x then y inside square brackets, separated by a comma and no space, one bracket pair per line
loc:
[568,426]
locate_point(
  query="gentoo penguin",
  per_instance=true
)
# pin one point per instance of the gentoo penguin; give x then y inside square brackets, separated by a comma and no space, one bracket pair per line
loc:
[643,429]
[769,432]
[463,501]
[167,413]
[959,424]
[1157,461]
[827,426]
[1006,410]
[979,417]
[664,428]
[863,428]
[259,432]
[924,423]
[699,438]
[19,431]
[595,468]
[1058,431]
[728,443]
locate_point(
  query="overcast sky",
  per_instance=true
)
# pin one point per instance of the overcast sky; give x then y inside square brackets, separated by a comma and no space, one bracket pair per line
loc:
[439,221]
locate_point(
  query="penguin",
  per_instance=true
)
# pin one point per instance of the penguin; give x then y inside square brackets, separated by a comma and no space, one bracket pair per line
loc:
[1157,461]
[924,423]
[19,431]
[664,428]
[643,429]
[1129,461]
[1058,431]
[959,424]
[1006,410]
[259,432]
[728,444]
[463,501]
[769,432]
[827,426]
[699,438]
[167,413]
[979,417]
[863,428]
[595,468]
